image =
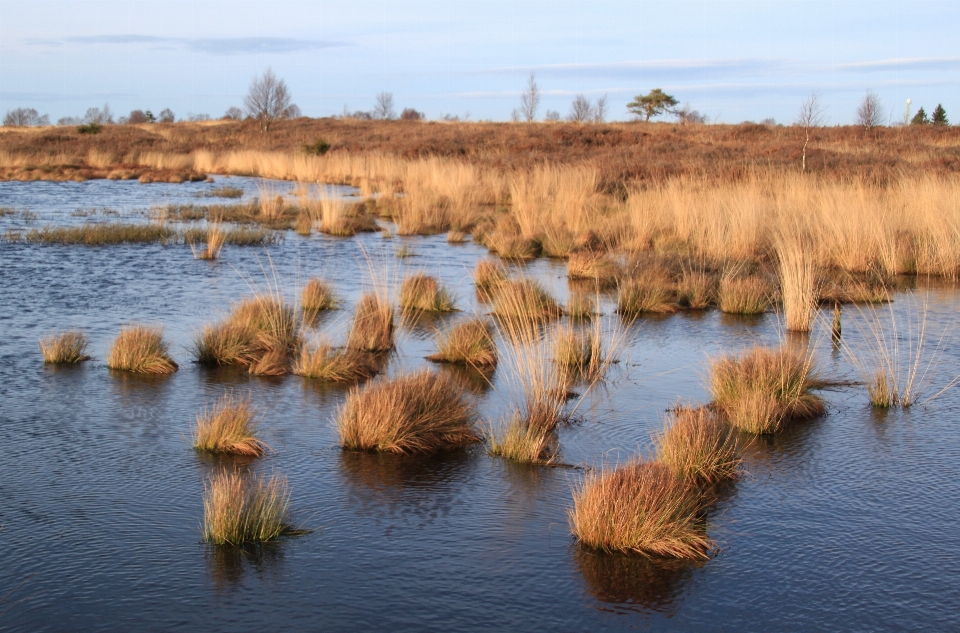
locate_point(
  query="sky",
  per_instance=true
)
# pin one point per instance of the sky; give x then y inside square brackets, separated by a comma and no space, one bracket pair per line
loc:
[732,61]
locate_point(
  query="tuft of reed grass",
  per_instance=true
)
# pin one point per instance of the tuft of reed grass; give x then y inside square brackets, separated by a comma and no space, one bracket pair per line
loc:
[696,290]
[650,295]
[304,224]
[260,334]
[316,296]
[467,343]
[372,329]
[455,237]
[228,427]
[582,306]
[639,507]
[102,234]
[743,295]
[141,349]
[765,388]
[578,352]
[239,509]
[599,268]
[215,237]
[798,281]
[488,276]
[422,412]
[525,300]
[699,447]
[527,437]
[423,293]
[324,362]
[65,347]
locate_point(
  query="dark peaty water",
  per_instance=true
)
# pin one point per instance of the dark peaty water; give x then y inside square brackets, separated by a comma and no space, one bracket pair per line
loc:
[846,523]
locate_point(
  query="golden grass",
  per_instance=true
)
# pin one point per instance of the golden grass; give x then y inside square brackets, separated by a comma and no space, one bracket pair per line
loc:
[102,234]
[488,275]
[582,306]
[527,436]
[699,447]
[341,219]
[372,329]
[696,290]
[261,334]
[456,237]
[743,295]
[228,427]
[578,352]
[799,281]
[420,292]
[468,343]
[239,509]
[421,412]
[525,300]
[316,296]
[763,389]
[141,349]
[65,347]
[215,238]
[324,362]
[651,294]
[599,268]
[639,507]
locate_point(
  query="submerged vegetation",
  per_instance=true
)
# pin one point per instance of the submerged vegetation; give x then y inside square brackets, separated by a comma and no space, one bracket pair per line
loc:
[215,236]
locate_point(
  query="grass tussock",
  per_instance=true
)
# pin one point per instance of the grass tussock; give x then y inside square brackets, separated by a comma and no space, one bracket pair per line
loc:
[646,295]
[468,343]
[260,334]
[600,268]
[421,412]
[639,507]
[525,300]
[65,348]
[528,436]
[699,447]
[582,306]
[228,427]
[324,362]
[317,296]
[743,295]
[799,281]
[103,234]
[696,290]
[578,352]
[423,293]
[373,325]
[215,237]
[488,275]
[239,509]
[141,349]
[764,388]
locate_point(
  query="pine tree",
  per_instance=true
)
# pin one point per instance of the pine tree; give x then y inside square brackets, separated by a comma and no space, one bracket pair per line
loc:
[920,118]
[940,116]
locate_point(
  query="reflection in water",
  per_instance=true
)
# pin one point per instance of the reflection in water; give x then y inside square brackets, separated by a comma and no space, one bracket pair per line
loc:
[227,564]
[476,380]
[790,446]
[634,582]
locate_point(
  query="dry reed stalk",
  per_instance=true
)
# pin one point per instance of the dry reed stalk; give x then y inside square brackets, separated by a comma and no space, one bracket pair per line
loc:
[639,507]
[271,201]
[215,236]
[421,412]
[420,292]
[763,389]
[582,306]
[65,347]
[372,329]
[239,509]
[469,343]
[326,363]
[579,353]
[743,295]
[228,427]
[455,237]
[141,349]
[699,447]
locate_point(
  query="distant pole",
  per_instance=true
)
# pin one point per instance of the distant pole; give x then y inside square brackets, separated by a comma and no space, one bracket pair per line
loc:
[906,115]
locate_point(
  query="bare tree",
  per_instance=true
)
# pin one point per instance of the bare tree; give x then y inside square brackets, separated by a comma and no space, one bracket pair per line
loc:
[233,113]
[383,108]
[530,100]
[552,115]
[870,112]
[268,99]
[600,110]
[687,115]
[811,116]
[166,116]
[581,110]
[21,117]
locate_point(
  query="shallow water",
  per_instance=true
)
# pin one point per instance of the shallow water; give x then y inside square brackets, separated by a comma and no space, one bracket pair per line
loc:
[845,523]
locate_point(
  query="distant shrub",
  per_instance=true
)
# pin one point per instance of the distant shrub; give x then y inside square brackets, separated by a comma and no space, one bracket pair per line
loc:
[318,148]
[137,116]
[90,128]
[409,114]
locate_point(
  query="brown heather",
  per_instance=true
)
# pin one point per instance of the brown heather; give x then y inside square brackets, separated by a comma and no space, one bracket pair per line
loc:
[421,412]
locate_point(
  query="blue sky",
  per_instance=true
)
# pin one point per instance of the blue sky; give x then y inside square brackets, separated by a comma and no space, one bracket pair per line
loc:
[733,61]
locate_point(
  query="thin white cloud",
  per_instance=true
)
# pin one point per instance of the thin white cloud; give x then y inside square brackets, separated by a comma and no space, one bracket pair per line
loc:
[210,45]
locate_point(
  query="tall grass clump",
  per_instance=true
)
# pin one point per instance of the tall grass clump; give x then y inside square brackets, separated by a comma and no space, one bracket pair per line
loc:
[650,295]
[65,347]
[422,412]
[324,362]
[240,509]
[525,300]
[578,352]
[599,268]
[798,281]
[743,295]
[488,275]
[373,324]
[261,333]
[699,447]
[215,236]
[696,290]
[141,349]
[228,427]
[422,293]
[468,343]
[765,388]
[316,296]
[639,507]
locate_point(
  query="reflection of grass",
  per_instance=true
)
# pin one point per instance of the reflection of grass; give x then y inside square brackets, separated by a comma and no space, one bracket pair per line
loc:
[141,349]
[66,347]
[641,507]
[228,427]
[422,412]
[240,509]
